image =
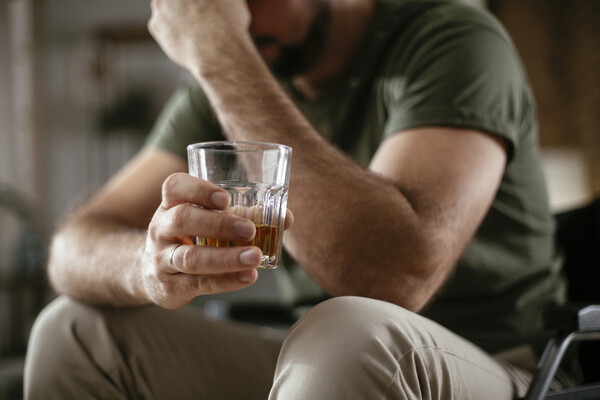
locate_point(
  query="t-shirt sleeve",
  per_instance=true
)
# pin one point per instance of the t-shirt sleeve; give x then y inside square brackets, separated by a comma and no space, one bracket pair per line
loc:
[463,74]
[186,118]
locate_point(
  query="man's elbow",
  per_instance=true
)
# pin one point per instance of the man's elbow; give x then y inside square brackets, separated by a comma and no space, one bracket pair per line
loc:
[409,279]
[56,269]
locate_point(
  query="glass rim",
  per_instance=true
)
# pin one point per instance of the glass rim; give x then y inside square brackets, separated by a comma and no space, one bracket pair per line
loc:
[220,145]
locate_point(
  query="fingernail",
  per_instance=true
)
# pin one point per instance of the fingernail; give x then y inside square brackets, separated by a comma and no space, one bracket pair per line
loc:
[220,199]
[251,257]
[244,229]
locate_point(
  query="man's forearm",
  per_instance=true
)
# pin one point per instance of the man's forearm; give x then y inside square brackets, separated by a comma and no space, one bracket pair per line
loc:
[97,260]
[344,213]
[393,232]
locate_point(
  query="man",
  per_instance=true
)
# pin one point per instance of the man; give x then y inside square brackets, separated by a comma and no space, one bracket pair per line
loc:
[439,215]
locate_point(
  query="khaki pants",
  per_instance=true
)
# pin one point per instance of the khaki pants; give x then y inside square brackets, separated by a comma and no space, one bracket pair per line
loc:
[344,348]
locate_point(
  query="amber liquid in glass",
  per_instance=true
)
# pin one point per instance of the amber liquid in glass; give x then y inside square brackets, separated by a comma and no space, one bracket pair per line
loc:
[266,238]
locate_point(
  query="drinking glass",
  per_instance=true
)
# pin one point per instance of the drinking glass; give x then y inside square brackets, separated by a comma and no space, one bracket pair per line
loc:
[257,177]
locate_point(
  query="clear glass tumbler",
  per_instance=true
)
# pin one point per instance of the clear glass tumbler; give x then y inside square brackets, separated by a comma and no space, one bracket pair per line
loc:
[257,176]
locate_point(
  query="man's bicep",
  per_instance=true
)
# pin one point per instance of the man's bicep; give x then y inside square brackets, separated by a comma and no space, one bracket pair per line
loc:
[134,193]
[450,176]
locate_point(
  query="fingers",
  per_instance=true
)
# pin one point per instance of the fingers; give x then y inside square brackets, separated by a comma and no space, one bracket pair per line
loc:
[179,215]
[175,274]
[187,220]
[206,260]
[176,269]
[183,188]
[203,270]
[178,290]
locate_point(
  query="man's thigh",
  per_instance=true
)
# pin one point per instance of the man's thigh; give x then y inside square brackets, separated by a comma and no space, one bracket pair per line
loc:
[357,348]
[78,351]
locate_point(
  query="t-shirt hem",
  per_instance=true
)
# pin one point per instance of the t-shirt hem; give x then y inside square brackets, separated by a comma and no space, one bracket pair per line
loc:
[459,118]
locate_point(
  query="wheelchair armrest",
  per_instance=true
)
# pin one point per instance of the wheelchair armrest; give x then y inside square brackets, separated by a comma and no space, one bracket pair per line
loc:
[572,323]
[573,317]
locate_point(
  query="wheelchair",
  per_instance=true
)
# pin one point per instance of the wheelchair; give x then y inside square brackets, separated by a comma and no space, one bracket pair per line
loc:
[578,321]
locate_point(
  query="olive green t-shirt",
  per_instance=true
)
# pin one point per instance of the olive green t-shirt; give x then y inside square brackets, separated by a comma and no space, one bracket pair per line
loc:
[434,63]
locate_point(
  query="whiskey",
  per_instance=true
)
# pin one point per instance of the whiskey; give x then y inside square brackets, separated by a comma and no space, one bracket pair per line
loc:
[267,239]
[265,206]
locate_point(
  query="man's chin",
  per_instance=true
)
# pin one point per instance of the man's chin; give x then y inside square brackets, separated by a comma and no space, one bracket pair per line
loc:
[289,60]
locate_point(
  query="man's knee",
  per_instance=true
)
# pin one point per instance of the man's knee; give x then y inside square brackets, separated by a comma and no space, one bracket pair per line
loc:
[342,342]
[351,347]
[345,323]
[60,320]
[60,344]
[53,328]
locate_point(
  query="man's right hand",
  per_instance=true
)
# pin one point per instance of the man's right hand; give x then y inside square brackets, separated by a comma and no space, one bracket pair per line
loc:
[173,272]
[190,31]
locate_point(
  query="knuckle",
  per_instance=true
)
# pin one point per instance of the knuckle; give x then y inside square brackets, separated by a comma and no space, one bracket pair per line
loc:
[150,25]
[231,260]
[169,185]
[178,216]
[153,231]
[199,257]
[186,259]
[205,286]
[151,258]
[210,284]
[204,258]
[170,286]
[228,282]
[167,285]
[222,224]
[208,259]
[156,258]
[178,290]
[199,192]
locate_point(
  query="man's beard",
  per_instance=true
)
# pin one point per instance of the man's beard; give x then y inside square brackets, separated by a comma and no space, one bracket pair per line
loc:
[296,59]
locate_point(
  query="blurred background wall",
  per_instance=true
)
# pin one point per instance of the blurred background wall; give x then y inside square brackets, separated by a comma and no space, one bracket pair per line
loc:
[559,42]
[81,81]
